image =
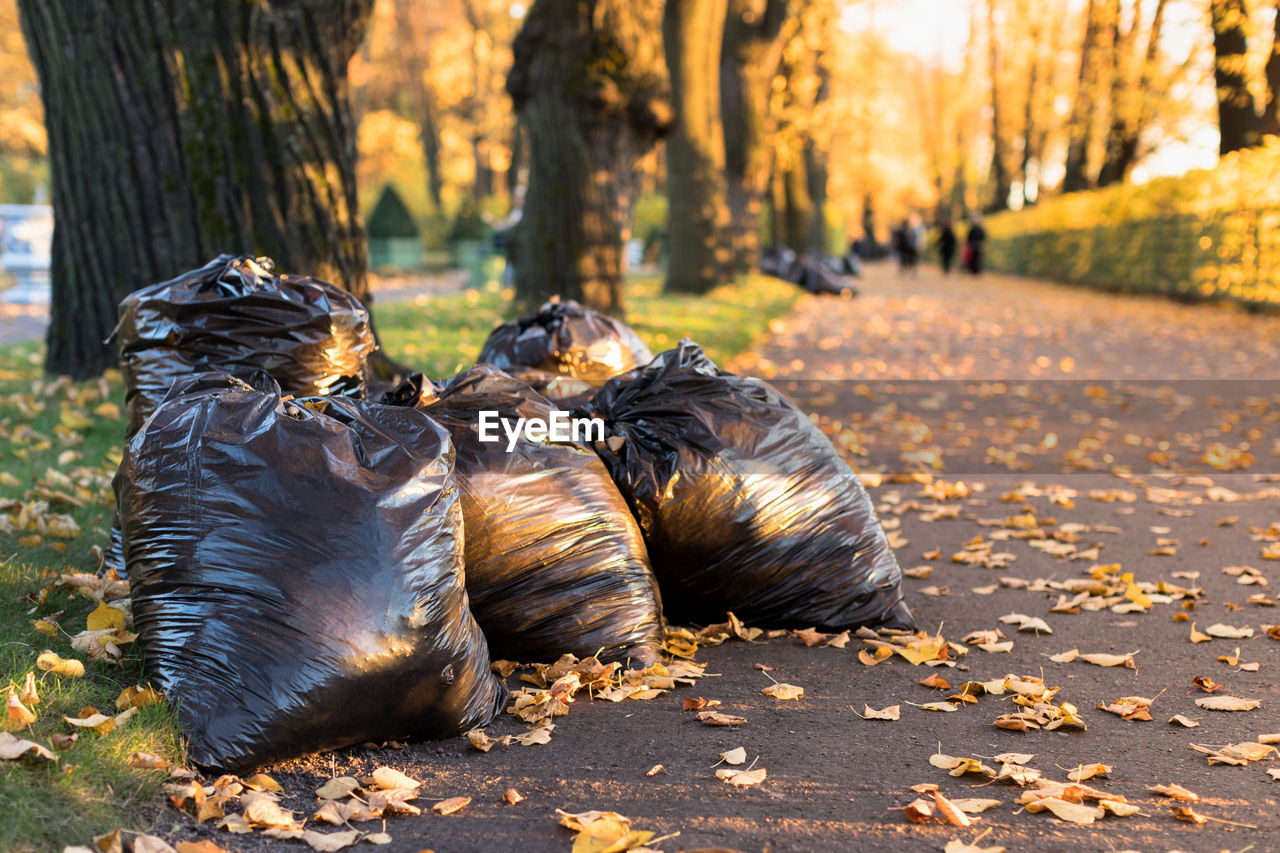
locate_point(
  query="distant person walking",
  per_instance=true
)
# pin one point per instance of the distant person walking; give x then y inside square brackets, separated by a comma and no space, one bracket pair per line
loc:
[973,246]
[907,244]
[947,245]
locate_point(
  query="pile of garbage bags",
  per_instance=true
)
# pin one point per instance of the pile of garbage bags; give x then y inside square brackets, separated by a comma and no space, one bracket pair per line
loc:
[814,272]
[312,569]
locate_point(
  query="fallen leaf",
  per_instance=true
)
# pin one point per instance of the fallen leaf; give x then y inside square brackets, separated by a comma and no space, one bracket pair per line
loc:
[1227,703]
[147,761]
[741,778]
[735,756]
[1175,791]
[17,715]
[100,723]
[1088,771]
[893,712]
[974,805]
[784,691]
[151,844]
[1199,636]
[1111,660]
[1065,657]
[1189,814]
[1077,813]
[331,841]
[512,796]
[262,782]
[50,662]
[105,617]
[387,777]
[1229,632]
[12,748]
[715,718]
[337,788]
[451,805]
[1184,721]
[265,811]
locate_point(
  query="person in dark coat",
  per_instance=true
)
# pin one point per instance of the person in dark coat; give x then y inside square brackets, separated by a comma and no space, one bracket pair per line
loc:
[973,246]
[947,244]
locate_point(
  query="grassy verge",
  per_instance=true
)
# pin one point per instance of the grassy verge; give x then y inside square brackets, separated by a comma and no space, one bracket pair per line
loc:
[443,334]
[59,445]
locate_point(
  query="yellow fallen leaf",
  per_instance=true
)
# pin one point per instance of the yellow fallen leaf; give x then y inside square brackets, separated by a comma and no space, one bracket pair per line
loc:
[147,761]
[451,805]
[1065,657]
[337,788]
[1077,813]
[17,715]
[741,778]
[49,662]
[1199,636]
[893,712]
[1088,771]
[151,844]
[262,782]
[1111,660]
[265,811]
[1229,632]
[100,723]
[105,617]
[512,796]
[1183,721]
[387,777]
[1175,791]
[784,691]
[138,697]
[735,756]
[972,805]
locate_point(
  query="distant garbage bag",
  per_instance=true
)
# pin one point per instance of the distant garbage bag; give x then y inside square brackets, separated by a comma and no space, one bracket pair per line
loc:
[555,561]
[567,338]
[744,504]
[235,315]
[296,573]
[815,273]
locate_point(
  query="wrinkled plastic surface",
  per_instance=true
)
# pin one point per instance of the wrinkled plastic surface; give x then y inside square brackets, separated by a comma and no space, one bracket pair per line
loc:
[235,316]
[296,573]
[744,504]
[555,561]
[567,338]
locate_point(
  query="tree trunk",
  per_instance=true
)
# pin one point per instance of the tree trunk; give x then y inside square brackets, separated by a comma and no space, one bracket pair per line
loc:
[1030,132]
[1238,124]
[1134,112]
[797,219]
[698,212]
[185,129]
[1080,123]
[1000,179]
[589,84]
[751,55]
[1271,115]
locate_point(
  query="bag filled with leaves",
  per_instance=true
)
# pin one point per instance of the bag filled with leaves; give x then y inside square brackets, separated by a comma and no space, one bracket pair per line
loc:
[566,338]
[555,561]
[235,315]
[296,573]
[744,503]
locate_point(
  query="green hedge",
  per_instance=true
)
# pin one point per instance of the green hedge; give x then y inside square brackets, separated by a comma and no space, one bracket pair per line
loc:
[1211,234]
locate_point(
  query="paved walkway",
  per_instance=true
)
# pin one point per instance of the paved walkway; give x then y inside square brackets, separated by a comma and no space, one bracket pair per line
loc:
[1009,521]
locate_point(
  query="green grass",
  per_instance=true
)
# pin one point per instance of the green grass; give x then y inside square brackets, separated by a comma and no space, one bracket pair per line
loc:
[441,335]
[66,437]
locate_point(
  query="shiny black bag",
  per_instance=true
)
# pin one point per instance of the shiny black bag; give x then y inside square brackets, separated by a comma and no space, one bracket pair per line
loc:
[555,562]
[566,338]
[236,316]
[296,573]
[744,503]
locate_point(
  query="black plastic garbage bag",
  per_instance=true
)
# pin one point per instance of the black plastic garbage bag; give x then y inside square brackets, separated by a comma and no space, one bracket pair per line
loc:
[555,561]
[567,338]
[296,573]
[235,315]
[744,504]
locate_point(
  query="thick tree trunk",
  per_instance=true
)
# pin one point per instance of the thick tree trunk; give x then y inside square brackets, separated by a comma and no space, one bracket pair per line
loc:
[185,129]
[1238,124]
[698,211]
[751,55]
[1080,123]
[590,87]
[1271,115]
[797,220]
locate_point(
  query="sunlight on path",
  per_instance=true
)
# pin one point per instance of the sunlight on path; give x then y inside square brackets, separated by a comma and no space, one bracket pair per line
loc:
[997,327]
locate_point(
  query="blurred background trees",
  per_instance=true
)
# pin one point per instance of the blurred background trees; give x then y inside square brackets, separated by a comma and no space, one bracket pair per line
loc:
[583,135]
